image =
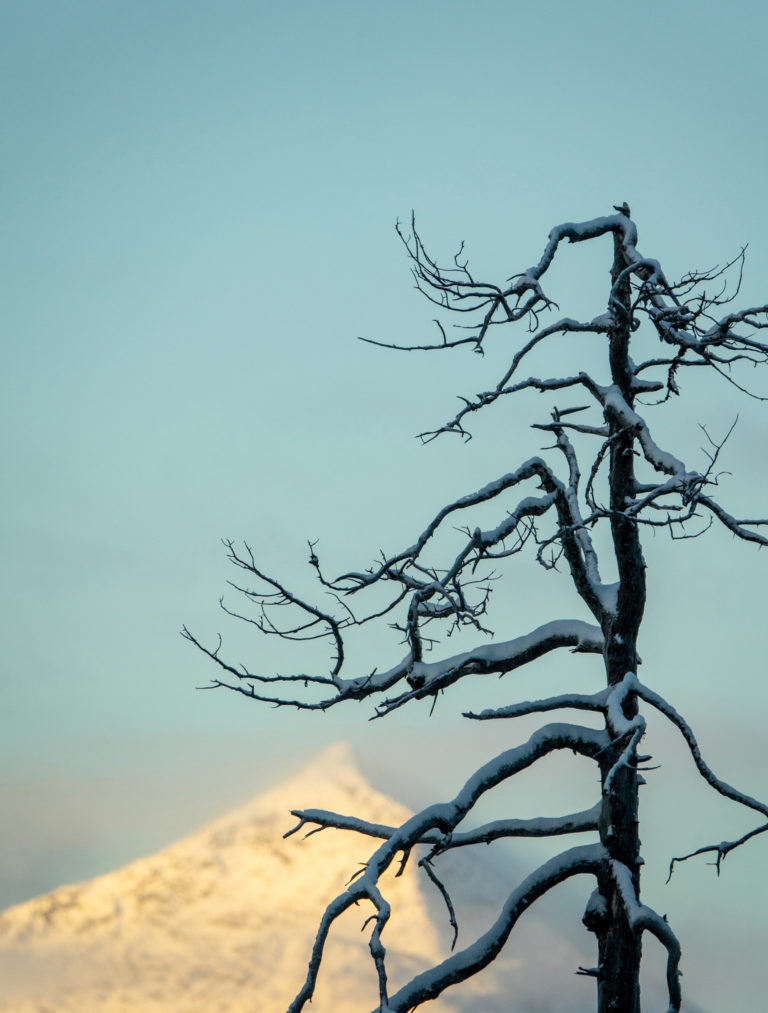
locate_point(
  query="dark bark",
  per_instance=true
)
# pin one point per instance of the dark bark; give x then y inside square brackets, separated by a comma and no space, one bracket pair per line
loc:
[619,947]
[458,594]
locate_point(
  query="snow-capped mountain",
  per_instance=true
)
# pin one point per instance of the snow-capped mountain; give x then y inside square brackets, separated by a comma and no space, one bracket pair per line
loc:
[223,921]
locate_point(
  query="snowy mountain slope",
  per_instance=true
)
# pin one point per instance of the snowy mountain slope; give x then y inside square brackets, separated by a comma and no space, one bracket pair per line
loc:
[223,920]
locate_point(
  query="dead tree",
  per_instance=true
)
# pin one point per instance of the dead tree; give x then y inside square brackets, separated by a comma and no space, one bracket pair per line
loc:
[551,506]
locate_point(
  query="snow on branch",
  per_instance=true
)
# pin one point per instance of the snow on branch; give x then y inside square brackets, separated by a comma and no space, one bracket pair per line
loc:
[442,819]
[427,678]
[644,919]
[669,712]
[486,398]
[661,460]
[538,826]
[457,594]
[721,787]
[532,468]
[683,313]
[739,528]
[469,961]
[564,701]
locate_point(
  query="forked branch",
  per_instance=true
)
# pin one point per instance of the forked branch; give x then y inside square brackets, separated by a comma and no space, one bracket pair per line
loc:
[440,821]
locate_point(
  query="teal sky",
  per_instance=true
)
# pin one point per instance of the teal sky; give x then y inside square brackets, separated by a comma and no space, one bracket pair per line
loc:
[198,206]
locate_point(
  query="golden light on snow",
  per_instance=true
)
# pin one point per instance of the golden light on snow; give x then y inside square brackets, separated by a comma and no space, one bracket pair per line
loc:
[223,921]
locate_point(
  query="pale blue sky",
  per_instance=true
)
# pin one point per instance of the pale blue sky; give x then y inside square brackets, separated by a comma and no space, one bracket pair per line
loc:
[198,208]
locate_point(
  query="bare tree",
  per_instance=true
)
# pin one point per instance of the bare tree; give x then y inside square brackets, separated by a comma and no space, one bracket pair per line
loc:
[553,507]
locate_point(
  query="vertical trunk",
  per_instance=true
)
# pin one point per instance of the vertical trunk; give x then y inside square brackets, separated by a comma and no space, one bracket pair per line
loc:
[618,985]
[618,946]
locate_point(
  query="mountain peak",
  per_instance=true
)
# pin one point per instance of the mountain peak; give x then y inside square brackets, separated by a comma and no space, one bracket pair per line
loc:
[338,754]
[225,918]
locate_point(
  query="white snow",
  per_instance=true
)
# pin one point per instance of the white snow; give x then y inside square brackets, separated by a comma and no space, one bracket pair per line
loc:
[223,921]
[576,633]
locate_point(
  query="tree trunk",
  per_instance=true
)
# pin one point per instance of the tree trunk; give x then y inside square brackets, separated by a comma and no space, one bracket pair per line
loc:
[618,984]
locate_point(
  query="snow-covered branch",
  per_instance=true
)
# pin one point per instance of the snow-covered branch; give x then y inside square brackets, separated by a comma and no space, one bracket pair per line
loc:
[469,961]
[681,312]
[661,460]
[493,542]
[564,701]
[442,819]
[538,826]
[739,528]
[644,919]
[722,848]
[427,678]
[722,787]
